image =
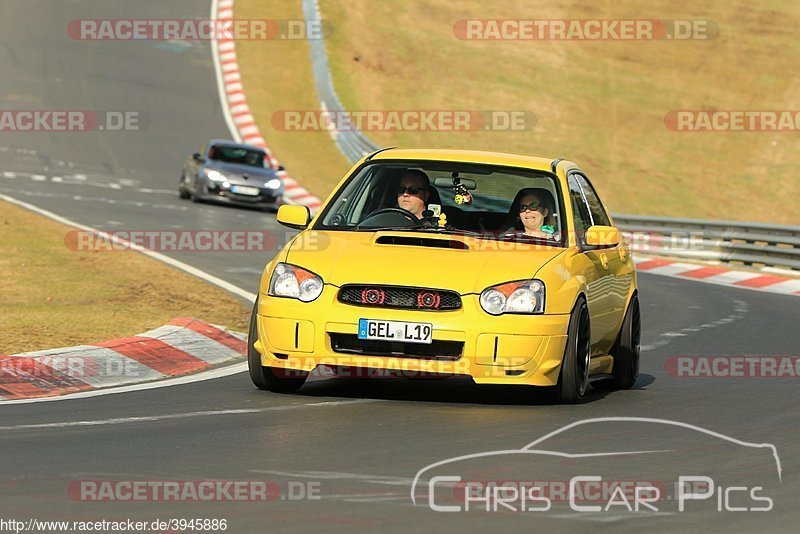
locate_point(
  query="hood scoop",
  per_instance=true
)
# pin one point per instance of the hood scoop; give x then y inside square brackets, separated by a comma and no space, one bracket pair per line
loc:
[414,241]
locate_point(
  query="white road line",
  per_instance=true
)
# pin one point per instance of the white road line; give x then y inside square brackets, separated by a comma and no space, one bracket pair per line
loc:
[338,475]
[150,418]
[199,377]
[740,309]
[185,267]
[160,191]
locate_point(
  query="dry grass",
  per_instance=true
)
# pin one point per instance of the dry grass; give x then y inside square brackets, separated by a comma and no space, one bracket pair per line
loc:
[601,104]
[52,297]
[276,76]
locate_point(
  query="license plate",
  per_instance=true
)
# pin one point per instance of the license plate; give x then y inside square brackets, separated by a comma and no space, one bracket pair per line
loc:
[244,190]
[399,331]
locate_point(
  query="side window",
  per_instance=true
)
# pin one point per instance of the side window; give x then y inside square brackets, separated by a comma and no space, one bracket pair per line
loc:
[582,218]
[595,206]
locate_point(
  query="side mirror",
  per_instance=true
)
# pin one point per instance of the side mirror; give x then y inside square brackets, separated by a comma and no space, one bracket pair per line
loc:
[281,168]
[296,217]
[603,236]
[198,158]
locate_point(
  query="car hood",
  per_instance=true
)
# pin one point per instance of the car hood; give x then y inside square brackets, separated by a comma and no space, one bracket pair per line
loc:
[408,259]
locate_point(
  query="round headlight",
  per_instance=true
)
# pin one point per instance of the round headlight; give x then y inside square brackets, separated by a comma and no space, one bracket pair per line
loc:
[310,289]
[285,285]
[493,301]
[273,184]
[523,300]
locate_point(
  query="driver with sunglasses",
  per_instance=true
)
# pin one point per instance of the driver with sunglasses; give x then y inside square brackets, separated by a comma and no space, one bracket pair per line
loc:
[413,192]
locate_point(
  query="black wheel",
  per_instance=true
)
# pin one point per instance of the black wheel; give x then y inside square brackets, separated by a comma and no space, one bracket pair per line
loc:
[277,380]
[574,378]
[196,192]
[626,349]
[182,192]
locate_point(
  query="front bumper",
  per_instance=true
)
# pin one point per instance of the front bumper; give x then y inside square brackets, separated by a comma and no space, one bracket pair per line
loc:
[266,197]
[507,349]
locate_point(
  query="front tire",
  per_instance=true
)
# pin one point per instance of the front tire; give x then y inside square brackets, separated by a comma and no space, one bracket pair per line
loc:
[195,194]
[627,348]
[182,192]
[573,381]
[269,378]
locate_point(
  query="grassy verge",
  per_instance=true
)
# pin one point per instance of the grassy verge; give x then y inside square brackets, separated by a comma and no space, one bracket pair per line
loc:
[52,297]
[601,104]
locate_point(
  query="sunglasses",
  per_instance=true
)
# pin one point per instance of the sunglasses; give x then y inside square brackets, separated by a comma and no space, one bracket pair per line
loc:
[412,190]
[533,206]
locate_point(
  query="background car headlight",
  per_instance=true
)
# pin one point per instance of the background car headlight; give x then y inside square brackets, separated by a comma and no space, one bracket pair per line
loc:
[215,176]
[523,296]
[275,183]
[294,282]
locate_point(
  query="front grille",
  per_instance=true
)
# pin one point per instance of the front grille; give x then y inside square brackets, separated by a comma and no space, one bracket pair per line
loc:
[437,350]
[414,298]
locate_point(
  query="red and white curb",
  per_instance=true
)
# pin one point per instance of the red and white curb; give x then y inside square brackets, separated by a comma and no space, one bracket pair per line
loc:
[182,347]
[240,120]
[713,274]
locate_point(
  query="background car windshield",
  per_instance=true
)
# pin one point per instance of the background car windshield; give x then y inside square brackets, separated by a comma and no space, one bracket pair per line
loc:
[242,156]
[491,208]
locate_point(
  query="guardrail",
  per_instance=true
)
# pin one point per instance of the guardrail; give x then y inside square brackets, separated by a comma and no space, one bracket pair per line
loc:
[751,244]
[352,142]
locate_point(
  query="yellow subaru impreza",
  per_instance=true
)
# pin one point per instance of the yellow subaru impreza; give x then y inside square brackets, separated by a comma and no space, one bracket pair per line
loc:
[504,268]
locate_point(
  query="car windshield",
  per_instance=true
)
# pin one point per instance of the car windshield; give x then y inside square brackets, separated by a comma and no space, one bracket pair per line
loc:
[242,156]
[483,201]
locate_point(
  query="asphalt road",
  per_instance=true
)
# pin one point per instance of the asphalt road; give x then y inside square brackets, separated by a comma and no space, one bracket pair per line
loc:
[357,444]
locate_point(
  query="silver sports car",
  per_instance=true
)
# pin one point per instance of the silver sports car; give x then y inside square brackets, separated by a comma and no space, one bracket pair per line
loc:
[230,172]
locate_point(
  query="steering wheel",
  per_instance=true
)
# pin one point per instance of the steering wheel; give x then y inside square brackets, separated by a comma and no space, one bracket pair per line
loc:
[407,215]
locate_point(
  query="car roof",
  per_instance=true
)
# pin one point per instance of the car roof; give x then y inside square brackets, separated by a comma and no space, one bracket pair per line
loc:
[234,144]
[466,156]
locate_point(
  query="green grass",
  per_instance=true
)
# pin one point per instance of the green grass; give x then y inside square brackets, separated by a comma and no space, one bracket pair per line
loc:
[601,104]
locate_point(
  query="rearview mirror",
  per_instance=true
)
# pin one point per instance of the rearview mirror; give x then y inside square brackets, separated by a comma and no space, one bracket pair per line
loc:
[447,183]
[296,217]
[197,157]
[603,236]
